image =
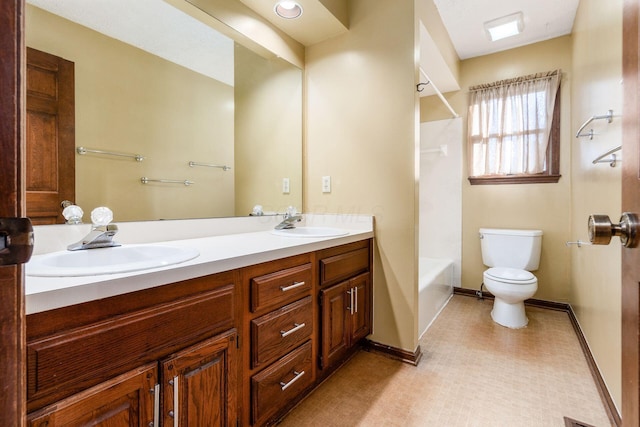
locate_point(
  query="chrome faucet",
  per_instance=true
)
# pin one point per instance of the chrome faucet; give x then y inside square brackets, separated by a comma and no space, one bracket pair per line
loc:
[289,221]
[101,236]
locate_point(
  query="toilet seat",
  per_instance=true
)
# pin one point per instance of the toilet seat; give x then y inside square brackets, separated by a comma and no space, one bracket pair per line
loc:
[514,276]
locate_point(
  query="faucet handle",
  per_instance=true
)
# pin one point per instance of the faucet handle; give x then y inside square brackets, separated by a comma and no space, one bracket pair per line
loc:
[101,216]
[290,212]
[73,214]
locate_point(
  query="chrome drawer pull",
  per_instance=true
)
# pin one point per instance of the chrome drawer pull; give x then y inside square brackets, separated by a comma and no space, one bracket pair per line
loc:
[297,327]
[295,285]
[176,401]
[356,298]
[285,386]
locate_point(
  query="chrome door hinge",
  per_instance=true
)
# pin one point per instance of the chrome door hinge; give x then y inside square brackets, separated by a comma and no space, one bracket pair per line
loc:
[16,241]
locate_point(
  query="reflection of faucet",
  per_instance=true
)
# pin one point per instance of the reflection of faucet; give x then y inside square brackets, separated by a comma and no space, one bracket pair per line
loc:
[289,220]
[101,236]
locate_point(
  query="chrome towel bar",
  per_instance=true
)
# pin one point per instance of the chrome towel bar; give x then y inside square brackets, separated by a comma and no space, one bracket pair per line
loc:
[608,117]
[209,165]
[85,150]
[185,182]
[612,159]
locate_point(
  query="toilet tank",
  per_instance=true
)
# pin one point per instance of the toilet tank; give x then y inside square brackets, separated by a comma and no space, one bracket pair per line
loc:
[511,248]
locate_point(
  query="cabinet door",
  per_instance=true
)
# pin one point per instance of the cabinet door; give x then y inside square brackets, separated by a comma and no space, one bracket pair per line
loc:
[200,384]
[361,318]
[335,322]
[125,401]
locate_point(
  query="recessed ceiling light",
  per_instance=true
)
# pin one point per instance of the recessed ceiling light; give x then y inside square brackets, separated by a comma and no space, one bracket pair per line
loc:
[504,27]
[288,9]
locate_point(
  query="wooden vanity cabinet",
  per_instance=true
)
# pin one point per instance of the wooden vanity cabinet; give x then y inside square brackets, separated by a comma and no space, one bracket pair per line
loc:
[82,360]
[279,324]
[239,348]
[345,298]
[345,317]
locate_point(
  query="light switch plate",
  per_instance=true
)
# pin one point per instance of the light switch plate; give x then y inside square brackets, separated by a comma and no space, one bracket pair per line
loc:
[326,184]
[285,186]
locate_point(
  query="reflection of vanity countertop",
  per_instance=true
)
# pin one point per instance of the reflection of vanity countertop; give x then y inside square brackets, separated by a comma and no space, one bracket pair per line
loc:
[217,253]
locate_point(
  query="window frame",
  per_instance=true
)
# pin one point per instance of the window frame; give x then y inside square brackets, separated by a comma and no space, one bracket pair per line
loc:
[552,175]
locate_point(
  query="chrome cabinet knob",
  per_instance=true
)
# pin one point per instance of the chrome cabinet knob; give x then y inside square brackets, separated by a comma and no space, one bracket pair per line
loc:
[601,230]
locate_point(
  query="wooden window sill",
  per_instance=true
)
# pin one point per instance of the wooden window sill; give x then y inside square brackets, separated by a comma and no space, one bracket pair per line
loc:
[530,179]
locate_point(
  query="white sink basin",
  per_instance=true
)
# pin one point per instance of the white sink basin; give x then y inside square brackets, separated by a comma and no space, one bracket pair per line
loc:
[311,232]
[120,259]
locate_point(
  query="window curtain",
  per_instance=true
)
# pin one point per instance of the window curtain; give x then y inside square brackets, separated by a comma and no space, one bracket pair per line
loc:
[509,124]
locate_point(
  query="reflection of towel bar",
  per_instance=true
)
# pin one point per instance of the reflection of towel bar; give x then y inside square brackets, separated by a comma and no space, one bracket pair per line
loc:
[85,150]
[608,117]
[186,182]
[209,165]
[611,160]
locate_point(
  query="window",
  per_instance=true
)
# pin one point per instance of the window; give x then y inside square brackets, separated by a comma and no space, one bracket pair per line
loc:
[514,130]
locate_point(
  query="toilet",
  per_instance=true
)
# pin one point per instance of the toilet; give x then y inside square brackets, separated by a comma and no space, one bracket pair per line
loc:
[512,255]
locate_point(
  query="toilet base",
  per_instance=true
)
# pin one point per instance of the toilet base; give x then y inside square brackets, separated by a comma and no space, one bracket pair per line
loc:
[511,315]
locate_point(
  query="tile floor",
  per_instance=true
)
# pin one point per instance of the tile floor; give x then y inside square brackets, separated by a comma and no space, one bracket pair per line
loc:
[473,373]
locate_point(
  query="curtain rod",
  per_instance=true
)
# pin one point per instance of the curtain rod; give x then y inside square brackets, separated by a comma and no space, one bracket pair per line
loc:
[523,79]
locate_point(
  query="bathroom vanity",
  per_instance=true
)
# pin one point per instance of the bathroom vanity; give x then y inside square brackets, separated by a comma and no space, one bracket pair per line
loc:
[237,345]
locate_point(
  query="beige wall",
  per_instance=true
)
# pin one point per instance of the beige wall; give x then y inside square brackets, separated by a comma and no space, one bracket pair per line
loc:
[588,277]
[361,130]
[155,114]
[596,276]
[430,17]
[540,206]
[268,140]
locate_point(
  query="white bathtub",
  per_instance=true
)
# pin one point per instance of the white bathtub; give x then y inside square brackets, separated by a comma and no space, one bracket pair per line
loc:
[435,288]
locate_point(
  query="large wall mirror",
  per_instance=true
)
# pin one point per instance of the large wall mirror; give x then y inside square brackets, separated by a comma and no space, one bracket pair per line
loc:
[237,109]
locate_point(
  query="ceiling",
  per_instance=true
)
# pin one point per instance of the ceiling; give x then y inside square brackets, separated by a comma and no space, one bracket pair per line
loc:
[321,20]
[543,20]
[463,19]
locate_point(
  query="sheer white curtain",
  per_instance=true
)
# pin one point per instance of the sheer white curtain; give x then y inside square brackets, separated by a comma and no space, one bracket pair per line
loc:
[509,125]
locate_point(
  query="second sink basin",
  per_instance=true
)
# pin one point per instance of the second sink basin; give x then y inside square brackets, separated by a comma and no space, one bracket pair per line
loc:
[311,232]
[120,259]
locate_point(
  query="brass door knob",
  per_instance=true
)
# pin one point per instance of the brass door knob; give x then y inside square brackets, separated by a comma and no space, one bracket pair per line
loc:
[601,230]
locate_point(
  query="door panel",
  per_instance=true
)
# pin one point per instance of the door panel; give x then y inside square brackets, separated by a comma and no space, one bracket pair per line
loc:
[360,321]
[335,332]
[200,384]
[630,203]
[12,317]
[50,147]
[125,401]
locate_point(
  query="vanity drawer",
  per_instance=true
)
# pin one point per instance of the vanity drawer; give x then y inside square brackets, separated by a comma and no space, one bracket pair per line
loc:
[275,333]
[280,287]
[345,265]
[281,384]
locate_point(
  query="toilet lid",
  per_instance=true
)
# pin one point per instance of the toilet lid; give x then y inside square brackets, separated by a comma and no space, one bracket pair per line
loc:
[509,274]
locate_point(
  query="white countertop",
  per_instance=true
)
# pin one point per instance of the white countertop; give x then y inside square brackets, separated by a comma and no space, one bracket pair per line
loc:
[217,254]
